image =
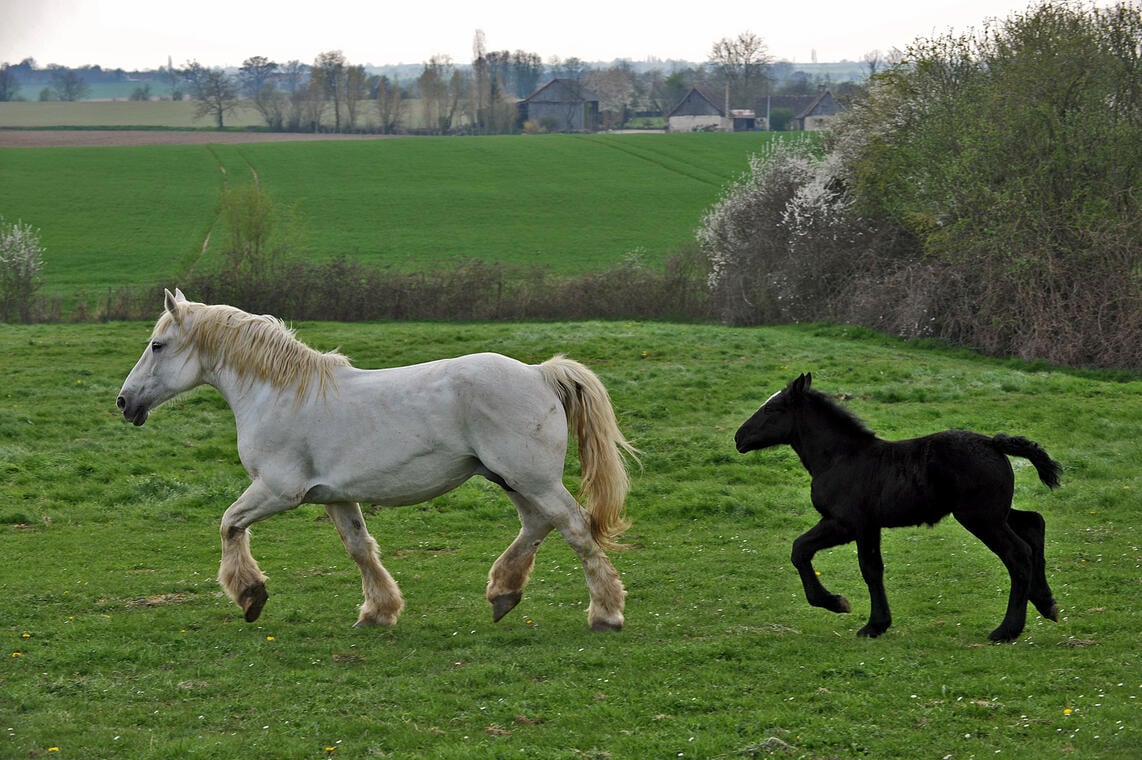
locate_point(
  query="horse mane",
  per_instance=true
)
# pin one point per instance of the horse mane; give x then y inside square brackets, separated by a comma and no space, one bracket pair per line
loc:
[840,417]
[258,347]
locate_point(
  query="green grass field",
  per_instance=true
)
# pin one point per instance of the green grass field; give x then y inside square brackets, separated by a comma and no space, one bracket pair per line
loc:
[118,642]
[141,215]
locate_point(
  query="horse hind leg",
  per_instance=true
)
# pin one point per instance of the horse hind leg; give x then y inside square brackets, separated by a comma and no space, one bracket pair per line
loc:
[608,597]
[1016,555]
[1031,527]
[510,572]
[383,602]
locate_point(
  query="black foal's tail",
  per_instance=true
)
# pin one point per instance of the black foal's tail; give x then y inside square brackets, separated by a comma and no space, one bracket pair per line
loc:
[1048,469]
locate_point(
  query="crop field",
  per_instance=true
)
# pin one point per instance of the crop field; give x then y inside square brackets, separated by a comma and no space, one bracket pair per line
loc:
[116,113]
[144,214]
[119,643]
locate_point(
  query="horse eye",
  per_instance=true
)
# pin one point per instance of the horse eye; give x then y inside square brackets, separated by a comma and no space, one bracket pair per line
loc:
[156,346]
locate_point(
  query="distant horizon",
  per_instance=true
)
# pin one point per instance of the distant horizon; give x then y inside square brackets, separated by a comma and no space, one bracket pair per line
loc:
[646,62]
[137,35]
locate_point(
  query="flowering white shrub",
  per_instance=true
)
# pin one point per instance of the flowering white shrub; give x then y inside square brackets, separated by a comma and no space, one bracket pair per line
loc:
[766,237]
[21,261]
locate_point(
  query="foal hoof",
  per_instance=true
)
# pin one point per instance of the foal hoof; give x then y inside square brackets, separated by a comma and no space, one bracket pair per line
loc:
[253,600]
[503,604]
[602,626]
[1002,634]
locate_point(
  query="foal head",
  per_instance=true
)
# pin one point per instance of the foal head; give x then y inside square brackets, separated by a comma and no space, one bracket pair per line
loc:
[773,423]
[776,422]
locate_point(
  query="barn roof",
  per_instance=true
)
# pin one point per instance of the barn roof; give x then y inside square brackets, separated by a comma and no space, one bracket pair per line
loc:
[560,90]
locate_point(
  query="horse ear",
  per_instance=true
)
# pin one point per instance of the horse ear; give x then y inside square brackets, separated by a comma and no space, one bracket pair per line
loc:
[801,383]
[808,377]
[171,303]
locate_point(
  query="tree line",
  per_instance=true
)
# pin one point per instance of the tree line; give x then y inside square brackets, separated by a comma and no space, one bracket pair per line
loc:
[332,94]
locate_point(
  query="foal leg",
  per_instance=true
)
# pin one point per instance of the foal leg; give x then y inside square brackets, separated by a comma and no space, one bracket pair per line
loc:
[1016,556]
[872,570]
[1031,527]
[238,573]
[510,572]
[825,534]
[383,602]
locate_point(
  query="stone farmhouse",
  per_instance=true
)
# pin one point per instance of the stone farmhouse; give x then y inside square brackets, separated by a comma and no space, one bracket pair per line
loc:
[700,111]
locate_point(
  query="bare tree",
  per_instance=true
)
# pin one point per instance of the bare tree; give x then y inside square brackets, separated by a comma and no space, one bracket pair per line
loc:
[433,86]
[255,73]
[215,92]
[742,62]
[329,76]
[615,88]
[872,61]
[356,90]
[68,84]
[9,84]
[390,105]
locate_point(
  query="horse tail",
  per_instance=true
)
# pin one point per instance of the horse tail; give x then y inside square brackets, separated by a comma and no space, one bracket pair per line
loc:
[590,415]
[1048,469]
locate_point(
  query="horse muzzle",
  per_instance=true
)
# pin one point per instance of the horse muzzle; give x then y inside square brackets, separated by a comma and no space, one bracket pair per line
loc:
[136,415]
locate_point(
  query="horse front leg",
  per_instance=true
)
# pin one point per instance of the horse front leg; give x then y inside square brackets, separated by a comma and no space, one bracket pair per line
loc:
[383,602]
[238,572]
[510,572]
[825,534]
[872,570]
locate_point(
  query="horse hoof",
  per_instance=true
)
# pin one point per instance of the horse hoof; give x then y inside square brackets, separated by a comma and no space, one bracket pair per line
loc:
[871,631]
[253,600]
[1052,612]
[503,604]
[1001,635]
[601,626]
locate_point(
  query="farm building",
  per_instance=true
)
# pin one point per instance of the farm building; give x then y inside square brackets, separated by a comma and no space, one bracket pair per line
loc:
[697,112]
[700,111]
[797,112]
[562,105]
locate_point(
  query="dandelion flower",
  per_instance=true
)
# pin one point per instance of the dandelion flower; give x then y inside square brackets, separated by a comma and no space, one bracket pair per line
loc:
[1067,711]
[269,638]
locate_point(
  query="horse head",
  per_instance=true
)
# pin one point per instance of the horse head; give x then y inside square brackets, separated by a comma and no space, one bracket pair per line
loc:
[166,368]
[772,424]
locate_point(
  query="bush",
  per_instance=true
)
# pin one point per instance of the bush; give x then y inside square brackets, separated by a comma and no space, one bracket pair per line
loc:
[984,191]
[21,260]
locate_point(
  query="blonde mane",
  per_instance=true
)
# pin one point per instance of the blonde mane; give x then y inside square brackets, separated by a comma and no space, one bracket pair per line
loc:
[256,348]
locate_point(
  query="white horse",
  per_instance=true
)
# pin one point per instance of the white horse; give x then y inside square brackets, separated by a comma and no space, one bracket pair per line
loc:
[314,429]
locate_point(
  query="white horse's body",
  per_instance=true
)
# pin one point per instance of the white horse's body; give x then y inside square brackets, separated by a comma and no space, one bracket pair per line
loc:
[313,429]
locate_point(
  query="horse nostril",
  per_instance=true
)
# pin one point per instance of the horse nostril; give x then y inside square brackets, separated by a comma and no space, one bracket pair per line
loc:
[121,403]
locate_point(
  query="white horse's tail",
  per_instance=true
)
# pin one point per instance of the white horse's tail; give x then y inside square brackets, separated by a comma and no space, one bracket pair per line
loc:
[605,482]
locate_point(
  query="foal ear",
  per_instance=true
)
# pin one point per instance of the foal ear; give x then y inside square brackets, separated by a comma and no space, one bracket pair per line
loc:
[802,383]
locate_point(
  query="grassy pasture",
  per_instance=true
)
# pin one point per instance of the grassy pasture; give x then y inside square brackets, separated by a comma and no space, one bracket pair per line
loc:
[140,215]
[118,642]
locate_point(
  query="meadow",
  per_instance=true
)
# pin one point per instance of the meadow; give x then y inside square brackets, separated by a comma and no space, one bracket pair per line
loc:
[110,216]
[118,642]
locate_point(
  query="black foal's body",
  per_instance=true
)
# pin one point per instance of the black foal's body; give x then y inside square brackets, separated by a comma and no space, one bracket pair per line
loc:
[861,484]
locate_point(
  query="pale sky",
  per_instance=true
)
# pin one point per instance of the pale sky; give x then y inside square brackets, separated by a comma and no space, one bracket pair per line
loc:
[142,34]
